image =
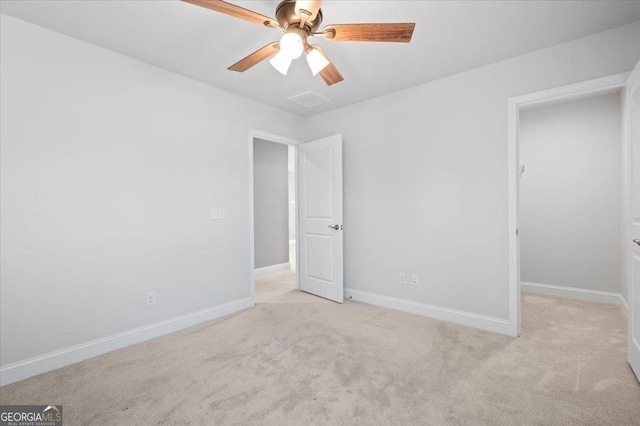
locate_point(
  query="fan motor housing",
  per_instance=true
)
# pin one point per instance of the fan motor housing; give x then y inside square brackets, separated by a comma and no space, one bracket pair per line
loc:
[286,16]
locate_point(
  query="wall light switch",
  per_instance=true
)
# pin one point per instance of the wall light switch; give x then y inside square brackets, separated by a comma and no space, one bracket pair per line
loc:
[414,279]
[217,213]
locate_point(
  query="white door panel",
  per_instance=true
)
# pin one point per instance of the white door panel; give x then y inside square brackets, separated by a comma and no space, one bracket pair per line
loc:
[320,204]
[633,116]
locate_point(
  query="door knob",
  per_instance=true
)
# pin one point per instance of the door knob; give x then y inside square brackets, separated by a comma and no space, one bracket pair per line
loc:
[637,242]
[336,227]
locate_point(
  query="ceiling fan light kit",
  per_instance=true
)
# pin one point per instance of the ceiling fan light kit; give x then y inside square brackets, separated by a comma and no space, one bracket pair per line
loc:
[281,62]
[316,60]
[299,20]
[291,45]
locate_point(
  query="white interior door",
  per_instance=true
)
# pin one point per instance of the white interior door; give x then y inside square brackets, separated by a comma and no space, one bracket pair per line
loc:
[633,117]
[320,209]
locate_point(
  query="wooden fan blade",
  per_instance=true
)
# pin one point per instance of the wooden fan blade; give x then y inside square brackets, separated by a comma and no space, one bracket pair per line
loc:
[400,33]
[330,73]
[256,57]
[235,11]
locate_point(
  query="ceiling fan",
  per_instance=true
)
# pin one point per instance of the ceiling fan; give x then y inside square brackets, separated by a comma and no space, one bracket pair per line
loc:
[300,20]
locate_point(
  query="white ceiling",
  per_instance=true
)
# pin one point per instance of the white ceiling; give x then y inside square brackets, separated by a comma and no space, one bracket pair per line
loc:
[450,37]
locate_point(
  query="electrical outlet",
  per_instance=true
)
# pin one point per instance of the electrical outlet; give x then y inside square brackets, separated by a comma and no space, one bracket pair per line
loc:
[217,213]
[403,278]
[414,279]
[151,298]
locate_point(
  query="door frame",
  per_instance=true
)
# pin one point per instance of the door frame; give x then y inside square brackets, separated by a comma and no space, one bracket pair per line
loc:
[270,137]
[589,87]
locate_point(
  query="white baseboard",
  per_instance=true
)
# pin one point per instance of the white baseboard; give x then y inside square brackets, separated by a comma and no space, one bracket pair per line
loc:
[573,293]
[270,269]
[624,305]
[496,325]
[21,370]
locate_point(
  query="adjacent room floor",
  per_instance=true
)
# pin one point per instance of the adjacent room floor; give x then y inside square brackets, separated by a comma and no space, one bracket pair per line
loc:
[298,359]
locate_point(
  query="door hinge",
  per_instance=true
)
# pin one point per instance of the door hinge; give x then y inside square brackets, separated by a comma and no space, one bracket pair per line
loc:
[517,232]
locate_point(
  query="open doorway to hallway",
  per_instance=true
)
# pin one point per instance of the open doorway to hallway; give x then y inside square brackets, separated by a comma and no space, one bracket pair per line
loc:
[274,198]
[316,182]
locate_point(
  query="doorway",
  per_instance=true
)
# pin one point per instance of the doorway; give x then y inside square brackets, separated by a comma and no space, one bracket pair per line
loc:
[273,187]
[273,207]
[629,84]
[571,199]
[317,218]
[563,172]
[571,256]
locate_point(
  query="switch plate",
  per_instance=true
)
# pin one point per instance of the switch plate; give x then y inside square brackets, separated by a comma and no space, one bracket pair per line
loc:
[151,298]
[403,278]
[414,279]
[217,213]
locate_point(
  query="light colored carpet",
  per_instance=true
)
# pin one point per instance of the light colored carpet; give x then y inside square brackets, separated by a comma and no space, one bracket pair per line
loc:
[295,359]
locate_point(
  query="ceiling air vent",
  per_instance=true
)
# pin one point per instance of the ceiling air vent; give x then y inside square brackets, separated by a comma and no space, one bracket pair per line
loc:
[309,99]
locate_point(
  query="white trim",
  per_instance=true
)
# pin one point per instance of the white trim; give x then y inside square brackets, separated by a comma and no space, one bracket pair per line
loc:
[514,244]
[573,90]
[633,348]
[253,133]
[624,305]
[625,204]
[272,138]
[496,325]
[513,167]
[24,369]
[271,269]
[573,293]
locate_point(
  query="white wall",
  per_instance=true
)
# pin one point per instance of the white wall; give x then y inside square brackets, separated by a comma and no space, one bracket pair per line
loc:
[570,194]
[425,174]
[626,204]
[109,168]
[292,193]
[270,203]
